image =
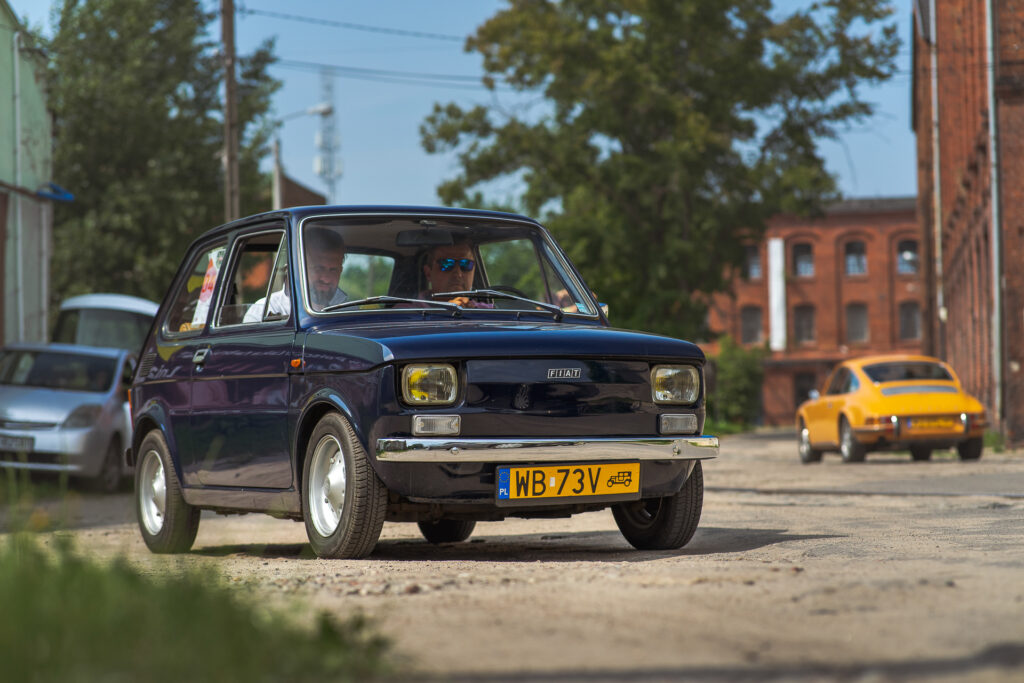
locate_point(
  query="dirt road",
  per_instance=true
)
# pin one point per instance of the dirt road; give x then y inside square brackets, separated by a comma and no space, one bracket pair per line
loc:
[889,570]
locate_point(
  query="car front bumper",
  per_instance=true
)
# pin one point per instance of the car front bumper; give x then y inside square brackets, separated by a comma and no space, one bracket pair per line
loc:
[503,450]
[77,451]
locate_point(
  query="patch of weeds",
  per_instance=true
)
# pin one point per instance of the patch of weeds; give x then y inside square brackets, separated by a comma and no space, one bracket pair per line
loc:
[994,441]
[66,617]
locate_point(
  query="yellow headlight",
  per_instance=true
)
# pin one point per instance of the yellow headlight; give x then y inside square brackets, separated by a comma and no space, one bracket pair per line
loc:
[675,383]
[427,385]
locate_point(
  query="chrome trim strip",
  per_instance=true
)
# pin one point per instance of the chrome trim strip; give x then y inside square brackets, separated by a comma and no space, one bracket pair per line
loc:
[545,450]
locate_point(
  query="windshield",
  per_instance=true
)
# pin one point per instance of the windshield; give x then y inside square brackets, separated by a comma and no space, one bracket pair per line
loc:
[481,264]
[102,327]
[898,372]
[57,370]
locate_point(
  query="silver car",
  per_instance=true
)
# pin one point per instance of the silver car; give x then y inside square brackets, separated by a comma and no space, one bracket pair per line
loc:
[63,408]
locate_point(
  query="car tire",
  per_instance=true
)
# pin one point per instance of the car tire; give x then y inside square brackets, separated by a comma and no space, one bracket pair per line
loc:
[343,500]
[807,453]
[663,523]
[108,480]
[447,530]
[168,524]
[920,453]
[971,448]
[851,449]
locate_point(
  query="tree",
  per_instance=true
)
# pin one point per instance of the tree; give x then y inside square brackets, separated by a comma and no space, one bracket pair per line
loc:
[667,132]
[134,88]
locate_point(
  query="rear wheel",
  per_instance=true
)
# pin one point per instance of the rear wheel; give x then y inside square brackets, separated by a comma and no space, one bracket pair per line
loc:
[851,449]
[920,453]
[663,523]
[168,524]
[970,449]
[343,500]
[447,530]
[807,453]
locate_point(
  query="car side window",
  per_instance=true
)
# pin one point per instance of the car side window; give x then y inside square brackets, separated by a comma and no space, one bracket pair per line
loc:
[852,383]
[838,383]
[256,288]
[192,301]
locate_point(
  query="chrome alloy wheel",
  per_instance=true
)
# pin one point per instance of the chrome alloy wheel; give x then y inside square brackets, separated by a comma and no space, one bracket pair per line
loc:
[805,442]
[152,492]
[328,480]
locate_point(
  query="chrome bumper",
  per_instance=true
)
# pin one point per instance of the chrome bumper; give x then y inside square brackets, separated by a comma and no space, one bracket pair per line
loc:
[546,450]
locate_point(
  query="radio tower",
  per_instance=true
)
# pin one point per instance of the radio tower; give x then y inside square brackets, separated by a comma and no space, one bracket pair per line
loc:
[327,164]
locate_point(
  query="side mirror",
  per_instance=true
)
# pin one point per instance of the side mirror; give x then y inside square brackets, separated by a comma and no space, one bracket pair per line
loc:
[814,394]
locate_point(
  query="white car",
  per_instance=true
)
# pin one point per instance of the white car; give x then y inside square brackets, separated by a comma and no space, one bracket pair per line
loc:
[110,320]
[64,408]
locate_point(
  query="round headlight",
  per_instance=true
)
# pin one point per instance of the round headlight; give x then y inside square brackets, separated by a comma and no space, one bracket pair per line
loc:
[675,383]
[429,384]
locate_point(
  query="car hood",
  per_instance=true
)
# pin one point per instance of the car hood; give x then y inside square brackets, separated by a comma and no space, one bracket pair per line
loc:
[38,405]
[336,347]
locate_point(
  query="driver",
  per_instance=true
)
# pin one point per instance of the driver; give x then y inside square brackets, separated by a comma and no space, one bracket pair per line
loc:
[450,268]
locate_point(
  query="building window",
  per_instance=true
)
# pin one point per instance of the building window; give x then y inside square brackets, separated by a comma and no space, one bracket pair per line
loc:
[752,262]
[803,260]
[856,323]
[856,258]
[803,383]
[750,324]
[910,320]
[803,323]
[906,257]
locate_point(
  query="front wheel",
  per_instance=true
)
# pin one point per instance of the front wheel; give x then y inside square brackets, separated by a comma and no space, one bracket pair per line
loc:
[970,449]
[168,524]
[807,453]
[343,500]
[663,523]
[447,530]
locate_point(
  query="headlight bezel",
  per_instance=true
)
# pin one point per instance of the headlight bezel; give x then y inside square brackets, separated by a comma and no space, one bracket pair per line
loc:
[407,391]
[681,399]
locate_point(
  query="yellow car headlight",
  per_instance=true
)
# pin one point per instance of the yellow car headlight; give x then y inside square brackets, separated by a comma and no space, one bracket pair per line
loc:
[675,383]
[433,384]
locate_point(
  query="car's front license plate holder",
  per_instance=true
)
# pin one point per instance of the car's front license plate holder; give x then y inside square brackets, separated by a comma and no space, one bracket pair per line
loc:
[17,444]
[567,482]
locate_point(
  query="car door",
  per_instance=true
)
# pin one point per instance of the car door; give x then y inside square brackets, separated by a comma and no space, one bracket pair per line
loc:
[833,402]
[241,381]
[167,369]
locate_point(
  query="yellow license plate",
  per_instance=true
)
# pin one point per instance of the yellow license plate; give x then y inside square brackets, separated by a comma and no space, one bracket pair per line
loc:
[931,423]
[568,481]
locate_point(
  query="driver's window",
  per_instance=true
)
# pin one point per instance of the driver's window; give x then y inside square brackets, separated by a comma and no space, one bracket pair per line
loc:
[838,383]
[513,266]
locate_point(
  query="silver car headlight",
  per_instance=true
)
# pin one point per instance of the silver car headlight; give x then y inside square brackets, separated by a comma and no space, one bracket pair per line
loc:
[83,416]
[429,384]
[675,383]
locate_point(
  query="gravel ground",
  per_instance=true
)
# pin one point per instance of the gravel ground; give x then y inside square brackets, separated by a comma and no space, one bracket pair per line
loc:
[888,570]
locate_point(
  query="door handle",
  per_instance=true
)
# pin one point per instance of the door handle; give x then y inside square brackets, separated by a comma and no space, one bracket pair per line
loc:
[200,356]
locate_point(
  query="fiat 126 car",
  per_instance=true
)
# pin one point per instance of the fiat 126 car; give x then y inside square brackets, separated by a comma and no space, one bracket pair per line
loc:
[347,366]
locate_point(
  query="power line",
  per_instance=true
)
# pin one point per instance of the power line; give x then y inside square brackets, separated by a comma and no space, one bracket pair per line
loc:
[351,26]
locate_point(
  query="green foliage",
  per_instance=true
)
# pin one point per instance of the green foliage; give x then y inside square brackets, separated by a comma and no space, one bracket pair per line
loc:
[666,132]
[69,618]
[735,396]
[135,91]
[994,441]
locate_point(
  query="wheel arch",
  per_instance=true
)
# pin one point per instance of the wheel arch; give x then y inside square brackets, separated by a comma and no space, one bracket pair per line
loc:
[319,404]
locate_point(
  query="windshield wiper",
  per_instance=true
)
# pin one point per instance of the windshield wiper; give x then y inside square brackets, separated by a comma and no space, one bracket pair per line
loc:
[455,308]
[556,311]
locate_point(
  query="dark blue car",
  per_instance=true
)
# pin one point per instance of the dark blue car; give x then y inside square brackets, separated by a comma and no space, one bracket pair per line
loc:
[347,366]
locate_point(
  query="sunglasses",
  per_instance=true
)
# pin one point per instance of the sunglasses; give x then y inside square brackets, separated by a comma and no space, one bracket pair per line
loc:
[446,264]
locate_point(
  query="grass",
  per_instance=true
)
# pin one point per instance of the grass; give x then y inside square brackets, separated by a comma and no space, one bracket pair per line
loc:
[66,617]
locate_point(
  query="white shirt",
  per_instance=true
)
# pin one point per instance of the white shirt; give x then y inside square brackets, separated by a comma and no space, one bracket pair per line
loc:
[280,304]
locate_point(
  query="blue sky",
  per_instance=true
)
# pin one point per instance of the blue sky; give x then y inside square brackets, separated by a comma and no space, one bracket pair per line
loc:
[377,120]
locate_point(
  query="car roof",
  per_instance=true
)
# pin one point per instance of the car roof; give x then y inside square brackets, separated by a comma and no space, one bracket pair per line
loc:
[892,358]
[297,213]
[120,302]
[67,348]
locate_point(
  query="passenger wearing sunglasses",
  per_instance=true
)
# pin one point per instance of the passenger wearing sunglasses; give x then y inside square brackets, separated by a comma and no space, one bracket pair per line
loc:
[450,268]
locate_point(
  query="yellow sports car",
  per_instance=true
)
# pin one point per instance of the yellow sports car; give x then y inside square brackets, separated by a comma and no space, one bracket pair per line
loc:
[889,403]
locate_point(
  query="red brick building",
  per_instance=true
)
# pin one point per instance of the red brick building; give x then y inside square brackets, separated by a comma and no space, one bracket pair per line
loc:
[817,291]
[968,113]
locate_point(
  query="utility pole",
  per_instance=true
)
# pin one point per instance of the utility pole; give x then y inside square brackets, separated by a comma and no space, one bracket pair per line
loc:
[327,165]
[231,185]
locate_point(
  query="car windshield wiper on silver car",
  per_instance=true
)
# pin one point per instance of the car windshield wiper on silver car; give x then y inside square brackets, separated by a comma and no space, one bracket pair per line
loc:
[455,308]
[496,294]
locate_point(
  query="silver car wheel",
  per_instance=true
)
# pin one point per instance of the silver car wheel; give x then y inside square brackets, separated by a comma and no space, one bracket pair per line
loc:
[805,442]
[328,481]
[152,492]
